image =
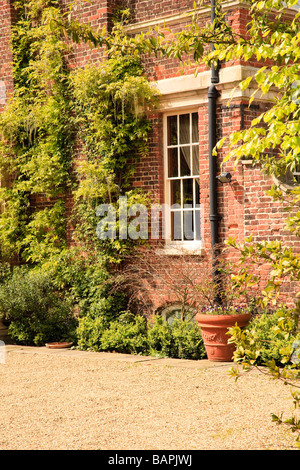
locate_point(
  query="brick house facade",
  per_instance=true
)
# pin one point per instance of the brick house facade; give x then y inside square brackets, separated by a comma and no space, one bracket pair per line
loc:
[243,208]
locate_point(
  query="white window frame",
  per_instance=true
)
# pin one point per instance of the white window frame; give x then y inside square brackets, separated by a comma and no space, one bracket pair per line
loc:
[192,245]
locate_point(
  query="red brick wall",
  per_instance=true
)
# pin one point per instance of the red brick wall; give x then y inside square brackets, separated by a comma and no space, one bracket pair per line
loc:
[97,13]
[145,10]
[243,205]
[6,85]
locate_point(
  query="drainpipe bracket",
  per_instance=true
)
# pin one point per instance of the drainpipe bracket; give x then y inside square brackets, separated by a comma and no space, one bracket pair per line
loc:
[213,92]
[215,217]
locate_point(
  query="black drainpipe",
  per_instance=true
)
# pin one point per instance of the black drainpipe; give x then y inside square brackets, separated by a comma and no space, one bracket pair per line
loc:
[212,131]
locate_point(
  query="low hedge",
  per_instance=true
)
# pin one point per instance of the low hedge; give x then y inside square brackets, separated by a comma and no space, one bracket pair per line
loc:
[135,335]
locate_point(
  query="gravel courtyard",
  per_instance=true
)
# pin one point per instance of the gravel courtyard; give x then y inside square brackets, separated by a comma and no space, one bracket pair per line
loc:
[72,400]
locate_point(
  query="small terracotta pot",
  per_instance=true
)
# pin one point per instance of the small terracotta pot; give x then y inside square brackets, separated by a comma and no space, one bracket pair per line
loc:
[58,345]
[214,329]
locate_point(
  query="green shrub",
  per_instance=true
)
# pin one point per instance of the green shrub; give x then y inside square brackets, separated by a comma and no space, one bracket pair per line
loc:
[89,332]
[188,342]
[267,337]
[181,339]
[5,272]
[85,279]
[160,338]
[133,335]
[128,335]
[36,312]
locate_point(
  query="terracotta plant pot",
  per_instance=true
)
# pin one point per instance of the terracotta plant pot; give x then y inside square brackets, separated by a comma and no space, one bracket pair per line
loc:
[58,345]
[214,329]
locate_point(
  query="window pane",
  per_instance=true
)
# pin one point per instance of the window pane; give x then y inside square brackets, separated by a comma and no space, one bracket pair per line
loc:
[195,129]
[195,158]
[188,225]
[183,173]
[175,312]
[197,192]
[176,225]
[184,129]
[172,130]
[173,162]
[174,315]
[185,161]
[187,192]
[175,192]
[198,227]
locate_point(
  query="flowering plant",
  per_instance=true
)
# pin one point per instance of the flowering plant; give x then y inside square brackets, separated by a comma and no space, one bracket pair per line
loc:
[225,310]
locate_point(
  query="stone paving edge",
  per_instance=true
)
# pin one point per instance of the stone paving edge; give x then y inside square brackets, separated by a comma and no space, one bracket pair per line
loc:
[130,358]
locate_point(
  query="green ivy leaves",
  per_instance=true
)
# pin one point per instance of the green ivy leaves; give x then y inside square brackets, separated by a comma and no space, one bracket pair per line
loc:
[36,129]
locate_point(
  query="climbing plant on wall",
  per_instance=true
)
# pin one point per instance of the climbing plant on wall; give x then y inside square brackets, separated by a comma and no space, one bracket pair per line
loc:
[110,100]
[37,132]
[101,106]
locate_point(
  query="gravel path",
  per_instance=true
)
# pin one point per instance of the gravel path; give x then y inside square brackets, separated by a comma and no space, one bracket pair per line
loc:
[71,400]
